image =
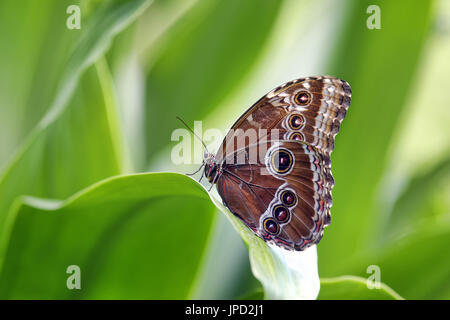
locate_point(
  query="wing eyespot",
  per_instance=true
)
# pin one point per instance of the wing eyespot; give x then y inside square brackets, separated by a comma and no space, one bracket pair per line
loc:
[281,214]
[271,226]
[296,121]
[302,98]
[297,136]
[281,161]
[288,198]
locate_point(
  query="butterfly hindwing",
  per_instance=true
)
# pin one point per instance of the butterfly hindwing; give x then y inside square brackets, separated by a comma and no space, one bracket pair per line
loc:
[256,192]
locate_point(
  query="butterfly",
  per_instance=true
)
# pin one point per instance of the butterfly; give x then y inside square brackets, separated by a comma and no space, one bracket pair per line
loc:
[273,169]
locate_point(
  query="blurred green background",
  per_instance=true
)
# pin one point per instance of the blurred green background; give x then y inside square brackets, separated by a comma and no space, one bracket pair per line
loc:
[80,106]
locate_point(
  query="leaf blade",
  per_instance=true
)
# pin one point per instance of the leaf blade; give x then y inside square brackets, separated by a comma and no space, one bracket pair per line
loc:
[354,288]
[96,228]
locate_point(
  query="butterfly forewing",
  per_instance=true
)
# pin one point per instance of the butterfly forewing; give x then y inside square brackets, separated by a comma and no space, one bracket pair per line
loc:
[309,110]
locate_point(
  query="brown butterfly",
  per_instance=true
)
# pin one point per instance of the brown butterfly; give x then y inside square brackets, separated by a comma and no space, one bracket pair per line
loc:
[273,169]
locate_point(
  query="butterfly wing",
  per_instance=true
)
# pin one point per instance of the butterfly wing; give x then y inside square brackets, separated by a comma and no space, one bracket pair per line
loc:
[302,118]
[295,196]
[308,109]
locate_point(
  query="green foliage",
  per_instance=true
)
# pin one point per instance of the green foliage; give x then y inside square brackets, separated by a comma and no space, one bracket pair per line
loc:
[73,152]
[417,265]
[33,52]
[45,145]
[127,234]
[416,205]
[64,101]
[353,288]
[380,73]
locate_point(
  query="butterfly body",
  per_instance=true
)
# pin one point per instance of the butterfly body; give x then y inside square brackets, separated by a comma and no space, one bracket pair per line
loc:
[273,169]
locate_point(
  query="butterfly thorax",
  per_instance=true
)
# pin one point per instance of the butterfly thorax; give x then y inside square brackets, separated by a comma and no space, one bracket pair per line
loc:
[212,168]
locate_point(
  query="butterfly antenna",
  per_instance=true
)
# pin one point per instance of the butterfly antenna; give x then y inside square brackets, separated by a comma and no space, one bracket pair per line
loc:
[190,129]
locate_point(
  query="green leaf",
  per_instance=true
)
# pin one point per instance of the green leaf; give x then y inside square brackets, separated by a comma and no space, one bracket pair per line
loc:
[78,149]
[380,72]
[417,264]
[284,274]
[115,231]
[110,19]
[70,150]
[39,50]
[33,52]
[139,236]
[354,288]
[412,258]
[254,295]
[131,53]
[415,203]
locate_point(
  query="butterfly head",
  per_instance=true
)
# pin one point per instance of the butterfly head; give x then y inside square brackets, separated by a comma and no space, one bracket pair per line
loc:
[211,168]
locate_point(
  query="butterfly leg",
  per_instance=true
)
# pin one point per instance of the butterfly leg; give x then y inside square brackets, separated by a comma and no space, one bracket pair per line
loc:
[191,174]
[218,173]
